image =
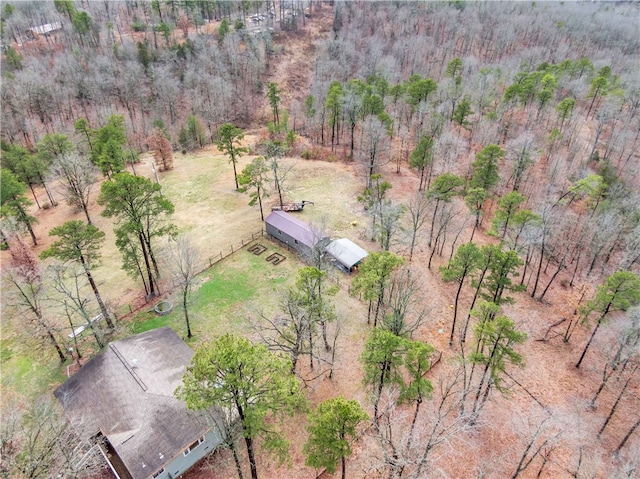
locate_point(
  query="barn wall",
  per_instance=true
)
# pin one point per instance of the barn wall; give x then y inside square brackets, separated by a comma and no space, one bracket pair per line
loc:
[287,239]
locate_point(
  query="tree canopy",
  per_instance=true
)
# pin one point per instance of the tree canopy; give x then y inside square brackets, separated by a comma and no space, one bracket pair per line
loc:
[255,382]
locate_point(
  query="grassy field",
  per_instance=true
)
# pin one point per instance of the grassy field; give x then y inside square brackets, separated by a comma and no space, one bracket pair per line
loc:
[226,295]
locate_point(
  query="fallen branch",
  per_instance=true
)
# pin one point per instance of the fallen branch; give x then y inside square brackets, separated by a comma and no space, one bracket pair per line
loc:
[558,323]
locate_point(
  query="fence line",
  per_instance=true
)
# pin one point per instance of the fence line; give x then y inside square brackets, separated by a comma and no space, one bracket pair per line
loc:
[333,275]
[212,260]
[233,248]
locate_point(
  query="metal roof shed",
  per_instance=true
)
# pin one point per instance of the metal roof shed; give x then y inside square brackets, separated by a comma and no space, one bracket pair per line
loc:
[346,252]
[293,232]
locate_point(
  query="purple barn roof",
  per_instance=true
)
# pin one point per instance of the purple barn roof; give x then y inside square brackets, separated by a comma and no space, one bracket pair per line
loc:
[295,228]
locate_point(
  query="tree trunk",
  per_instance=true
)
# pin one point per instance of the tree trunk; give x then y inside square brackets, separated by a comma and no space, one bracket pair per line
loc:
[473,302]
[85,209]
[56,345]
[185,293]
[94,287]
[535,284]
[615,404]
[152,287]
[433,220]
[383,375]
[555,274]
[455,310]
[235,173]
[260,204]
[252,460]
[626,437]
[595,330]
[35,198]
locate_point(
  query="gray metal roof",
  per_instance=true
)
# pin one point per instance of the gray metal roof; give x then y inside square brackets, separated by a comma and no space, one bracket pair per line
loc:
[127,393]
[346,252]
[295,228]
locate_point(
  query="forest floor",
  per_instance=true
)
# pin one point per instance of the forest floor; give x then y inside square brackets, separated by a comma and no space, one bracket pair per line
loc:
[207,205]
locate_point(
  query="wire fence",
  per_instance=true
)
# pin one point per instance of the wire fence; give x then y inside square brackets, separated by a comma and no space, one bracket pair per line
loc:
[233,248]
[128,309]
[333,274]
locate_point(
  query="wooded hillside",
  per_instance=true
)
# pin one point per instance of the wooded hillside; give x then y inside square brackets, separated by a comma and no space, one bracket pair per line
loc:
[495,145]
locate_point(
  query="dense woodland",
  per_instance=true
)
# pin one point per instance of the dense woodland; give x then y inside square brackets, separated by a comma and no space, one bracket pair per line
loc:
[521,122]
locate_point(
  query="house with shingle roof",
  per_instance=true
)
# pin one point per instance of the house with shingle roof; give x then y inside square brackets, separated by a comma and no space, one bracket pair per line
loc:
[123,400]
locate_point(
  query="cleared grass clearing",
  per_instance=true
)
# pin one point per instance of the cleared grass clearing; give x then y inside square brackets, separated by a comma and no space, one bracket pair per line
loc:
[226,295]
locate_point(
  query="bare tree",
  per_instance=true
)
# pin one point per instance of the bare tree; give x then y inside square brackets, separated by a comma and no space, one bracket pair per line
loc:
[628,349]
[389,222]
[632,374]
[399,450]
[68,282]
[374,147]
[38,443]
[26,292]
[77,176]
[542,438]
[442,222]
[184,259]
[418,209]
[403,312]
[280,172]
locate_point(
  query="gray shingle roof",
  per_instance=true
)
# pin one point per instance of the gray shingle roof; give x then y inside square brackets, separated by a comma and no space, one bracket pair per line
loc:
[127,393]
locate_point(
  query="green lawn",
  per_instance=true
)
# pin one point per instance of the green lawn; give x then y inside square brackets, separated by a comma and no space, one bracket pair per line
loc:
[26,370]
[226,295]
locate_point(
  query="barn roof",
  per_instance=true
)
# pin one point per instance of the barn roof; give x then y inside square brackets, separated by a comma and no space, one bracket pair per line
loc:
[127,394]
[346,252]
[294,227]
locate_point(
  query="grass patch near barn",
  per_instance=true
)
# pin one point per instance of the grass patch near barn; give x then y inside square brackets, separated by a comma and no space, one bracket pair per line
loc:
[226,295]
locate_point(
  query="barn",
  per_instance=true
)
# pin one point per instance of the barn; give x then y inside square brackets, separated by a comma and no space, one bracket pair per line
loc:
[123,401]
[295,233]
[346,254]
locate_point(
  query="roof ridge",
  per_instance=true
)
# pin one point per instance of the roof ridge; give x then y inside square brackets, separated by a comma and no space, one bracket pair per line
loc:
[124,362]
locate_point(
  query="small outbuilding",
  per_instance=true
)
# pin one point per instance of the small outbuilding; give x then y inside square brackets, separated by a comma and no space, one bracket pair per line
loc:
[46,30]
[346,253]
[123,401]
[295,233]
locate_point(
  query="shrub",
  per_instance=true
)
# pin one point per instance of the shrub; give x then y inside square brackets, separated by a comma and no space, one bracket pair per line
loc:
[138,26]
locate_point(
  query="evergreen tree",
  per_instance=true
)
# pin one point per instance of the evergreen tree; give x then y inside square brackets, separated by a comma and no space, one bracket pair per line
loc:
[80,243]
[229,140]
[13,202]
[332,426]
[140,211]
[252,181]
[462,266]
[256,382]
[619,292]
[422,157]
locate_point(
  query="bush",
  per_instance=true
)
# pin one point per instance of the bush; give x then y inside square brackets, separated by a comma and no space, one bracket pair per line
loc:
[138,26]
